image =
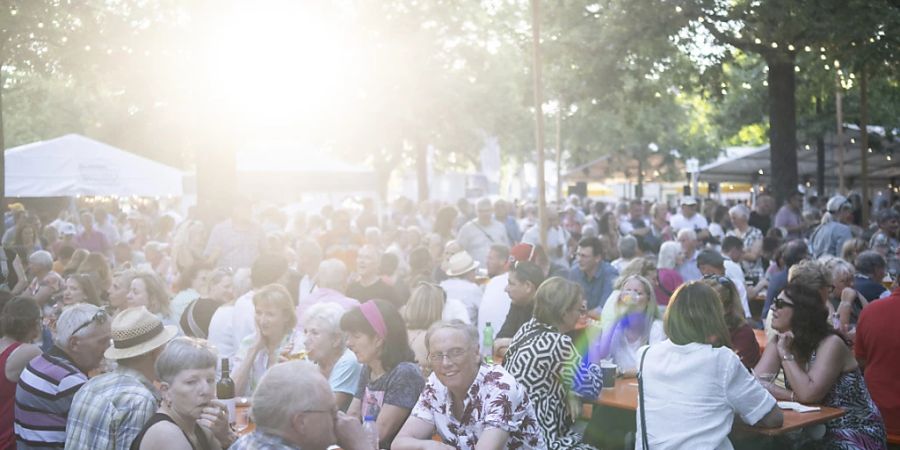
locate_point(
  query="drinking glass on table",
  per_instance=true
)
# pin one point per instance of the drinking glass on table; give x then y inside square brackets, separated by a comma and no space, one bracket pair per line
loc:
[765,378]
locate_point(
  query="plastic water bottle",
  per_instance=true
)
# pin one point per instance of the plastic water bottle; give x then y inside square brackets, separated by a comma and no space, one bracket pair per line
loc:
[487,344]
[371,431]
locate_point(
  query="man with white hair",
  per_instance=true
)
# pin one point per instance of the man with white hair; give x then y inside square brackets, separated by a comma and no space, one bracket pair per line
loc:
[688,269]
[690,219]
[332,283]
[829,237]
[49,382]
[293,408]
[477,235]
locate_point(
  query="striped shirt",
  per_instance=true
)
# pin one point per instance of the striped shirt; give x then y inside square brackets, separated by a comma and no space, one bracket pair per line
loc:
[110,410]
[43,397]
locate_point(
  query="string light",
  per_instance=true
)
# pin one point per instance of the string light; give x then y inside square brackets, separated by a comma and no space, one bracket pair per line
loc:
[678,9]
[758,41]
[774,45]
[807,48]
[791,47]
[807,146]
[760,171]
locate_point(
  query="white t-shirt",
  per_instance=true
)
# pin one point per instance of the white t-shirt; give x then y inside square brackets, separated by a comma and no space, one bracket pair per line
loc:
[679,222]
[220,332]
[494,305]
[734,273]
[466,292]
[243,321]
[691,394]
[625,353]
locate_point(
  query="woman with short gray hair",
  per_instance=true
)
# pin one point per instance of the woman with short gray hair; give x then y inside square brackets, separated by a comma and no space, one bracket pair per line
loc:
[189,417]
[326,345]
[45,282]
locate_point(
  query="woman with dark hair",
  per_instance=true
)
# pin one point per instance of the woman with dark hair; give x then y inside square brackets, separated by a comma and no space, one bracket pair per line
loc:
[608,227]
[545,360]
[20,324]
[97,266]
[80,288]
[742,338]
[692,385]
[444,221]
[390,382]
[25,242]
[819,368]
[148,290]
[77,258]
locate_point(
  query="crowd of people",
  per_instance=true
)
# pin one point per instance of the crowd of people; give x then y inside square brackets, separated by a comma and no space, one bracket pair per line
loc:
[117,324]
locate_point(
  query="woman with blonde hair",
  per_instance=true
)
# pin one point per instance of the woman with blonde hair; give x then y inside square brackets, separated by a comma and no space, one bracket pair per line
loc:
[275,320]
[644,267]
[425,307]
[636,323]
[852,248]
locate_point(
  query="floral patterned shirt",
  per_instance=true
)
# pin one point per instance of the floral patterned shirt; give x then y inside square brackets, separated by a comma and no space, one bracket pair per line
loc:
[495,400]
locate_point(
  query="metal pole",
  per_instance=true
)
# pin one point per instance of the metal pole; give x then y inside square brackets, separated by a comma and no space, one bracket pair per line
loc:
[539,117]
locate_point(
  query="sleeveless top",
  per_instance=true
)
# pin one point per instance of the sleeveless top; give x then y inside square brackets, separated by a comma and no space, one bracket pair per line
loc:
[7,401]
[202,443]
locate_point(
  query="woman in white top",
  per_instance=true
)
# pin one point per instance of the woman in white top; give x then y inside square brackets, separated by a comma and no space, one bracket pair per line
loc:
[221,289]
[693,383]
[274,320]
[636,324]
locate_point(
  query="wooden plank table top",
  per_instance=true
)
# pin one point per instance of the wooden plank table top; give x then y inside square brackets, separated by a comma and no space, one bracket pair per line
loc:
[625,396]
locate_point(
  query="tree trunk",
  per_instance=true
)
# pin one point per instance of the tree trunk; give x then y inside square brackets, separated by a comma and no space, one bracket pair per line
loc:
[864,143]
[820,155]
[782,125]
[639,187]
[422,171]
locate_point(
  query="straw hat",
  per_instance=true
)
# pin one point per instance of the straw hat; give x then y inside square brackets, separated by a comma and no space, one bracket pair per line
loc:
[136,331]
[461,263]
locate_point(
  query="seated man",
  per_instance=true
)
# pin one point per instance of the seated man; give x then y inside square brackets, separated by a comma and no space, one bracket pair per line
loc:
[294,408]
[507,419]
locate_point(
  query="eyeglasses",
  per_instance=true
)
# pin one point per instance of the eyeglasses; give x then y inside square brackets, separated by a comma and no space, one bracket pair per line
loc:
[99,318]
[782,303]
[454,355]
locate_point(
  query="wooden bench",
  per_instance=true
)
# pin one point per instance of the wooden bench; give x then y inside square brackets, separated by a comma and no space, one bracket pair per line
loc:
[893,439]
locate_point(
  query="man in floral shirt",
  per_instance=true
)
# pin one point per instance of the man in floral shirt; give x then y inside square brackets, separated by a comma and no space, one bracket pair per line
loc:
[467,403]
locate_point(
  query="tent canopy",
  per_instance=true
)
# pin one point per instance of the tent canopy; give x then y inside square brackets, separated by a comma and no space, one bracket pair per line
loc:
[75,165]
[285,168]
[749,164]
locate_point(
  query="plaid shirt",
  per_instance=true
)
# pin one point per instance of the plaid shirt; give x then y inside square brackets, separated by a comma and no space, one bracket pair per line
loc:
[260,440]
[110,410]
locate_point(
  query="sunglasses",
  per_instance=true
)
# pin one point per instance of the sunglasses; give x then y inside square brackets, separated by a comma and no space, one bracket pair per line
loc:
[724,281]
[99,318]
[782,303]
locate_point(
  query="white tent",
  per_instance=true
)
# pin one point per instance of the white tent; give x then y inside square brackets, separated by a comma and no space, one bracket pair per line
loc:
[75,165]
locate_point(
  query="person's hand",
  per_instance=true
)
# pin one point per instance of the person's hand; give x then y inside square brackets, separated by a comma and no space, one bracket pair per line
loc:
[214,417]
[784,343]
[349,433]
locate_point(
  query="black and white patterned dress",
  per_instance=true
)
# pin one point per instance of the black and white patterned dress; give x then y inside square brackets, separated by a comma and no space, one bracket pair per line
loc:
[547,363]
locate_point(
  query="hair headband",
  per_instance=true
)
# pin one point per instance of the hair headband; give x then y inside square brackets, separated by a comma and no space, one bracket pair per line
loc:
[373,316]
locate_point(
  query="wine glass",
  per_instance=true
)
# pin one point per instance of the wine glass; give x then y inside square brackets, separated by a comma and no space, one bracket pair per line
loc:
[765,378]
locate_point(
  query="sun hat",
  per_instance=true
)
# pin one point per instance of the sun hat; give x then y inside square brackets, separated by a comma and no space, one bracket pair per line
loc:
[461,263]
[137,331]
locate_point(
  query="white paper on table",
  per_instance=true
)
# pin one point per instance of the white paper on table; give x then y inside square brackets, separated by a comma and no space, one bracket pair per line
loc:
[797,407]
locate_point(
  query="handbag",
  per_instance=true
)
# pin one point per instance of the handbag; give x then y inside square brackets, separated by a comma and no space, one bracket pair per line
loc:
[640,378]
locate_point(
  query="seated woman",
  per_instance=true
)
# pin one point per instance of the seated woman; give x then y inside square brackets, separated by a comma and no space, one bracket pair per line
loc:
[20,325]
[813,274]
[499,413]
[326,345]
[188,418]
[640,266]
[524,279]
[696,367]
[148,290]
[191,285]
[844,295]
[275,321]
[743,339]
[547,363]
[391,382]
[425,307]
[636,323]
[819,368]
[668,279]
[97,266]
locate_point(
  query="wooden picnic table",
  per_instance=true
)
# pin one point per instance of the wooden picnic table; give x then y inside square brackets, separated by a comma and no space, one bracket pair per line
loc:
[625,396]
